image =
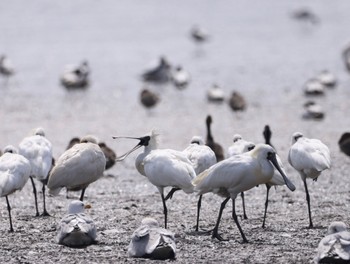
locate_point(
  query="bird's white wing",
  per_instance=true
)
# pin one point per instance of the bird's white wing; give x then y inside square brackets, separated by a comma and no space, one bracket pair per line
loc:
[138,243]
[77,166]
[202,157]
[38,150]
[169,168]
[224,175]
[14,173]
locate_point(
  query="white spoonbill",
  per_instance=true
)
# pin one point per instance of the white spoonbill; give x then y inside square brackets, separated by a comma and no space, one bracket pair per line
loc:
[237,174]
[38,150]
[77,167]
[151,241]
[163,167]
[335,246]
[238,147]
[14,174]
[202,157]
[309,157]
[76,229]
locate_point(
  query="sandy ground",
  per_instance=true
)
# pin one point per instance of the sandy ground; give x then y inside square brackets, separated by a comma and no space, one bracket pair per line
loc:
[121,201]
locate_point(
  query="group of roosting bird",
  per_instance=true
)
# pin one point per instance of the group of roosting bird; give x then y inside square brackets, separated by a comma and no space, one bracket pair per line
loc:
[201,168]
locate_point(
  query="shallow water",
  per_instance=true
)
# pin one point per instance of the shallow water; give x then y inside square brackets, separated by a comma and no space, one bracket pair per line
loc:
[255,48]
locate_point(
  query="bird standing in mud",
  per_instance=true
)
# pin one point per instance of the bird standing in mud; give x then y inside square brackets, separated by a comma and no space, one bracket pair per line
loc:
[76,229]
[38,150]
[152,241]
[163,167]
[309,157]
[202,158]
[14,174]
[77,167]
[237,174]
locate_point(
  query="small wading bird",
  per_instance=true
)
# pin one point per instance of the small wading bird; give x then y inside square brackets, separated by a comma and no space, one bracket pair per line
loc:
[38,150]
[159,74]
[76,229]
[76,76]
[180,78]
[14,174]
[202,157]
[309,157]
[198,34]
[237,102]
[163,167]
[215,94]
[216,147]
[77,167]
[6,67]
[237,174]
[152,241]
[240,146]
[148,98]
[335,246]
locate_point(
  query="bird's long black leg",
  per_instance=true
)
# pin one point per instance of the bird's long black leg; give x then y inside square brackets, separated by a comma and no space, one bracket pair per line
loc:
[234,216]
[9,210]
[308,203]
[199,204]
[35,197]
[82,194]
[266,203]
[216,228]
[243,204]
[165,210]
[45,213]
[170,194]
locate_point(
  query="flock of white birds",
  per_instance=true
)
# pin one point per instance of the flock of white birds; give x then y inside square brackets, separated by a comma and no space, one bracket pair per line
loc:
[200,168]
[196,169]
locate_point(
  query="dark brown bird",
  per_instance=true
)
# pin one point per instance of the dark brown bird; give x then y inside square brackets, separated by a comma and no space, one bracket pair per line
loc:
[148,98]
[344,143]
[109,154]
[217,148]
[237,102]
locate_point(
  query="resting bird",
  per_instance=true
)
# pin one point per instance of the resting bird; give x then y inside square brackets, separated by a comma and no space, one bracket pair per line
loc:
[38,150]
[14,174]
[335,246]
[76,76]
[309,157]
[76,229]
[77,167]
[151,241]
